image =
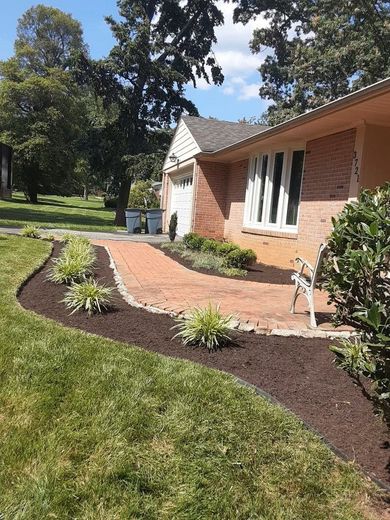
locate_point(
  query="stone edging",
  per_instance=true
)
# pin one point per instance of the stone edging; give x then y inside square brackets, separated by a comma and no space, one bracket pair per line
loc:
[243,326]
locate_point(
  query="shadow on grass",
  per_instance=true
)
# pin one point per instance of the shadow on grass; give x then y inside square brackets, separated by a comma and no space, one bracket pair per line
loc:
[33,214]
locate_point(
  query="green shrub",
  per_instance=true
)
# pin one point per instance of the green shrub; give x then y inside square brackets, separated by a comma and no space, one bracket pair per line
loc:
[356,275]
[49,237]
[205,328]
[31,232]
[207,261]
[224,248]
[210,246]
[193,241]
[88,295]
[110,202]
[240,258]
[173,226]
[233,271]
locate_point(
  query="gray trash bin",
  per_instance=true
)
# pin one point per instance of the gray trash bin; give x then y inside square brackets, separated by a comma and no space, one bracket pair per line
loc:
[154,220]
[133,220]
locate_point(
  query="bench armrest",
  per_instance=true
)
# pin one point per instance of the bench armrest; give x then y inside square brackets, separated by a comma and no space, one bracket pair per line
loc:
[304,264]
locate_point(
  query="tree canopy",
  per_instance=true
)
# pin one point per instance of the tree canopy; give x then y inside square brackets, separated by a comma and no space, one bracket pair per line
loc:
[317,50]
[161,46]
[47,38]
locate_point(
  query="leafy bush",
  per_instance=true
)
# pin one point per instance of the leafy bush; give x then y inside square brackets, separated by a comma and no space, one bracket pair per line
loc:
[224,248]
[207,261]
[110,202]
[205,328]
[88,295]
[31,232]
[357,278]
[49,237]
[210,246]
[143,196]
[175,247]
[173,226]
[233,271]
[240,258]
[193,241]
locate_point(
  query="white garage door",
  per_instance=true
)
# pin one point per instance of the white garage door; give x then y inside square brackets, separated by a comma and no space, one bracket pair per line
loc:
[182,191]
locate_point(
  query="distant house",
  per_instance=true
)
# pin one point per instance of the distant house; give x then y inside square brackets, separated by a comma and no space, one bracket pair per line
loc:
[275,189]
[6,171]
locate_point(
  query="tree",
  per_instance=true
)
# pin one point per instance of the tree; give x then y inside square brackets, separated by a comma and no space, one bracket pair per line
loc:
[143,196]
[161,46]
[39,118]
[321,50]
[46,38]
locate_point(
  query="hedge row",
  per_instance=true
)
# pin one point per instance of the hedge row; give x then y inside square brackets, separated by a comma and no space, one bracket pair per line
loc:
[233,255]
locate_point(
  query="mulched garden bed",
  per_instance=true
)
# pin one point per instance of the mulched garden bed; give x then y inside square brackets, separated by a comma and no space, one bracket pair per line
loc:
[256,273]
[298,372]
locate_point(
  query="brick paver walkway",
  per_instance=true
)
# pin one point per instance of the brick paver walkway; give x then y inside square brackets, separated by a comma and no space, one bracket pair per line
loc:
[153,279]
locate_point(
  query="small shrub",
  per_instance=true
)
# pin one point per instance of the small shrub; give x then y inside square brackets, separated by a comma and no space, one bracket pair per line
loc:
[240,258]
[233,271]
[88,295]
[175,247]
[207,261]
[210,246]
[205,328]
[193,241]
[224,248]
[173,226]
[31,232]
[110,202]
[356,275]
[75,262]
[49,237]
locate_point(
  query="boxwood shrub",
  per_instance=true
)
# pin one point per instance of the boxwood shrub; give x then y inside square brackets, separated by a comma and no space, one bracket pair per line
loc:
[210,246]
[240,258]
[193,241]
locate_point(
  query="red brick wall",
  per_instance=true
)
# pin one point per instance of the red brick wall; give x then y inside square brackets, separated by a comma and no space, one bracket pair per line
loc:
[210,196]
[325,190]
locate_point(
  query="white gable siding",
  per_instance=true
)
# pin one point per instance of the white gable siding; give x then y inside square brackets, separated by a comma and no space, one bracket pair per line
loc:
[183,145]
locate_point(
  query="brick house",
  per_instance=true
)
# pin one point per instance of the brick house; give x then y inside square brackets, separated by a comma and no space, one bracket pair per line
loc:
[275,189]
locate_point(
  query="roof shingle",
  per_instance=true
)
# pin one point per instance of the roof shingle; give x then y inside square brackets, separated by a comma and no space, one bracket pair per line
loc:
[212,134]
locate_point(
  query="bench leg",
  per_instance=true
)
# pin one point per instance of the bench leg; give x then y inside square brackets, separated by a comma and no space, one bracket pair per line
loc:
[294,299]
[313,321]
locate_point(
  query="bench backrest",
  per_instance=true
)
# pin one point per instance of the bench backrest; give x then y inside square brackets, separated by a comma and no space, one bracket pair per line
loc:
[322,251]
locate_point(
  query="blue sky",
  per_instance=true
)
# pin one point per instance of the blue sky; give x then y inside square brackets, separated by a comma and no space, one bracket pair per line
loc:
[236,98]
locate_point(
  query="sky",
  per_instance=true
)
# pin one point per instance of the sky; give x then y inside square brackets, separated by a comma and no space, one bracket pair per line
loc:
[236,98]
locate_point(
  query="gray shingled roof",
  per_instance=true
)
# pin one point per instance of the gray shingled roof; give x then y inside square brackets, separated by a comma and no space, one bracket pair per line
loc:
[211,134]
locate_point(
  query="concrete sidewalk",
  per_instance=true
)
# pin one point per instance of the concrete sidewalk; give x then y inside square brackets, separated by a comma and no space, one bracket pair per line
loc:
[97,235]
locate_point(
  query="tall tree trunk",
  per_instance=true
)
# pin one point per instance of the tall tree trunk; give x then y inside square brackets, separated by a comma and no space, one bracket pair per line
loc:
[85,194]
[123,199]
[32,189]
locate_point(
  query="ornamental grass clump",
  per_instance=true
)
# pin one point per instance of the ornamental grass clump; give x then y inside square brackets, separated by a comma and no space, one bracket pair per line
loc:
[88,295]
[205,328]
[356,275]
[75,262]
[31,232]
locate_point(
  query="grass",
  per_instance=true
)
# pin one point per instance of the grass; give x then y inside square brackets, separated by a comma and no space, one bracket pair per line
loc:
[202,260]
[57,212]
[94,429]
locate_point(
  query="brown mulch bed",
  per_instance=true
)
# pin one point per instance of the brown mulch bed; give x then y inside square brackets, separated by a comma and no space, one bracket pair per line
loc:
[258,272]
[298,372]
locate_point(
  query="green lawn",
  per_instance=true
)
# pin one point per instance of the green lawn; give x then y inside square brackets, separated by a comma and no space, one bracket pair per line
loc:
[57,212]
[94,429]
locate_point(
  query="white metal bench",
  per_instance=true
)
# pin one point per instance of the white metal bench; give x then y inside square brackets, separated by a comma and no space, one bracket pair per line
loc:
[306,284]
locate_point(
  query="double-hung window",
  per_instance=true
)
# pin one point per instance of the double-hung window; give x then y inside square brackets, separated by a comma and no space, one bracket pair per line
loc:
[274,190]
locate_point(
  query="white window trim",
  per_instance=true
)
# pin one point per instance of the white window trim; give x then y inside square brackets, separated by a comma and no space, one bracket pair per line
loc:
[253,191]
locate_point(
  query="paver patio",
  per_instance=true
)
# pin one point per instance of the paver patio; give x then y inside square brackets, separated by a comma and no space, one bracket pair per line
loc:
[154,279]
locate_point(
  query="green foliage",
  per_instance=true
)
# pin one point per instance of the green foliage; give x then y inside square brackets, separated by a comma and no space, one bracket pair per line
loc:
[88,295]
[210,246]
[173,226]
[142,196]
[240,258]
[193,241]
[205,328]
[202,260]
[357,278]
[49,237]
[224,248]
[110,202]
[75,262]
[46,39]
[31,232]
[318,51]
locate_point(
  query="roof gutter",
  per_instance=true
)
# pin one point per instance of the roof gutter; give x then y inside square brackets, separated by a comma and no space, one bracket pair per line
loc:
[331,107]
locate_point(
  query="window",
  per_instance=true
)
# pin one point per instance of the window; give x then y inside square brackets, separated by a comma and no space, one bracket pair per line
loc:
[274,189]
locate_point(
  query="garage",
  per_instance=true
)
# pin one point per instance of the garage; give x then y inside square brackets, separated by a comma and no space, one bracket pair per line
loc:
[182,194]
